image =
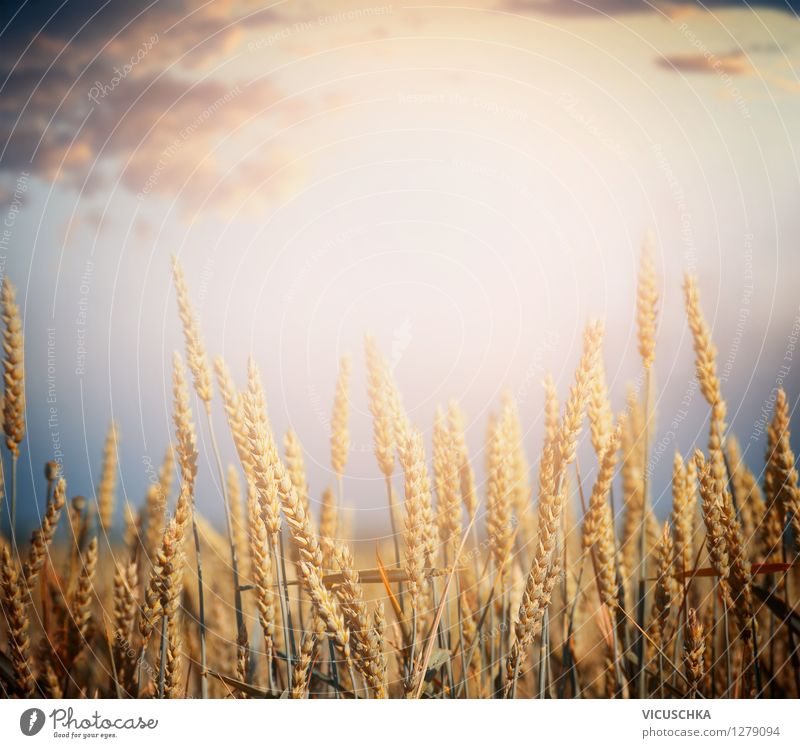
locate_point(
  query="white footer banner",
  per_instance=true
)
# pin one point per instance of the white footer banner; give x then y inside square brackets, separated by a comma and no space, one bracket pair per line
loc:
[350,724]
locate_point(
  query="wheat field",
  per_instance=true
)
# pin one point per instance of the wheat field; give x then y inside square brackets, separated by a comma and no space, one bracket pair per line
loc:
[534,583]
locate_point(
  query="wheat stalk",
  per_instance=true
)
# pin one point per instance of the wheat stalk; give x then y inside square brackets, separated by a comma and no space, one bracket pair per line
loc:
[705,352]
[498,493]
[43,535]
[367,643]
[233,403]
[663,598]
[598,525]
[126,583]
[447,462]
[262,453]
[544,567]
[683,514]
[16,615]
[261,565]
[412,459]
[195,348]
[80,613]
[108,480]
[14,381]
[694,651]
[380,407]
[329,519]
[295,465]
[172,664]
[469,494]
[601,417]
[782,469]
[302,668]
[340,435]
[647,304]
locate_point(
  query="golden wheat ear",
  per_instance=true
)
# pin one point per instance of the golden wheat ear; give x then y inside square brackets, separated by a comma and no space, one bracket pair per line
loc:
[18,623]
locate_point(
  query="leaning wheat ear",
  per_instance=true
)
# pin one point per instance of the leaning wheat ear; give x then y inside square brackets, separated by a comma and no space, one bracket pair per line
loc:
[705,352]
[340,434]
[108,479]
[694,649]
[80,608]
[43,536]
[16,615]
[557,455]
[14,381]
[366,642]
[195,348]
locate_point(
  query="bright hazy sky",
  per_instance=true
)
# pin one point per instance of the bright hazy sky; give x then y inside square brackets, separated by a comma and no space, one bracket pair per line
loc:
[470,183]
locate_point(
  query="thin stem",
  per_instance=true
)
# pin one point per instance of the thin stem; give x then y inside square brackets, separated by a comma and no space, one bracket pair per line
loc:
[439,633]
[163,657]
[544,648]
[241,629]
[201,604]
[283,597]
[641,607]
[727,635]
[446,638]
[334,669]
[288,601]
[464,667]
[715,594]
[395,536]
[352,673]
[13,503]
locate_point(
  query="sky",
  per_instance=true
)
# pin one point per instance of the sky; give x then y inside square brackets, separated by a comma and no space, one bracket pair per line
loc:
[468,182]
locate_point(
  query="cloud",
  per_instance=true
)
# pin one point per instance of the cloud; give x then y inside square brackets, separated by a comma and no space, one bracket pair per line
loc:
[730,63]
[619,7]
[101,90]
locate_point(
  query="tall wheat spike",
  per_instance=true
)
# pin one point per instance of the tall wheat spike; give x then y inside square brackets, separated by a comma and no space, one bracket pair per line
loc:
[705,352]
[683,516]
[782,469]
[13,370]
[712,508]
[520,470]
[663,598]
[108,480]
[367,643]
[14,381]
[380,407]
[543,572]
[195,348]
[43,535]
[340,434]
[601,417]
[126,583]
[412,459]
[647,304]
[447,462]
[598,526]
[80,613]
[694,651]
[262,574]
[469,494]
[311,558]
[295,465]
[498,494]
[328,520]
[233,403]
[262,453]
